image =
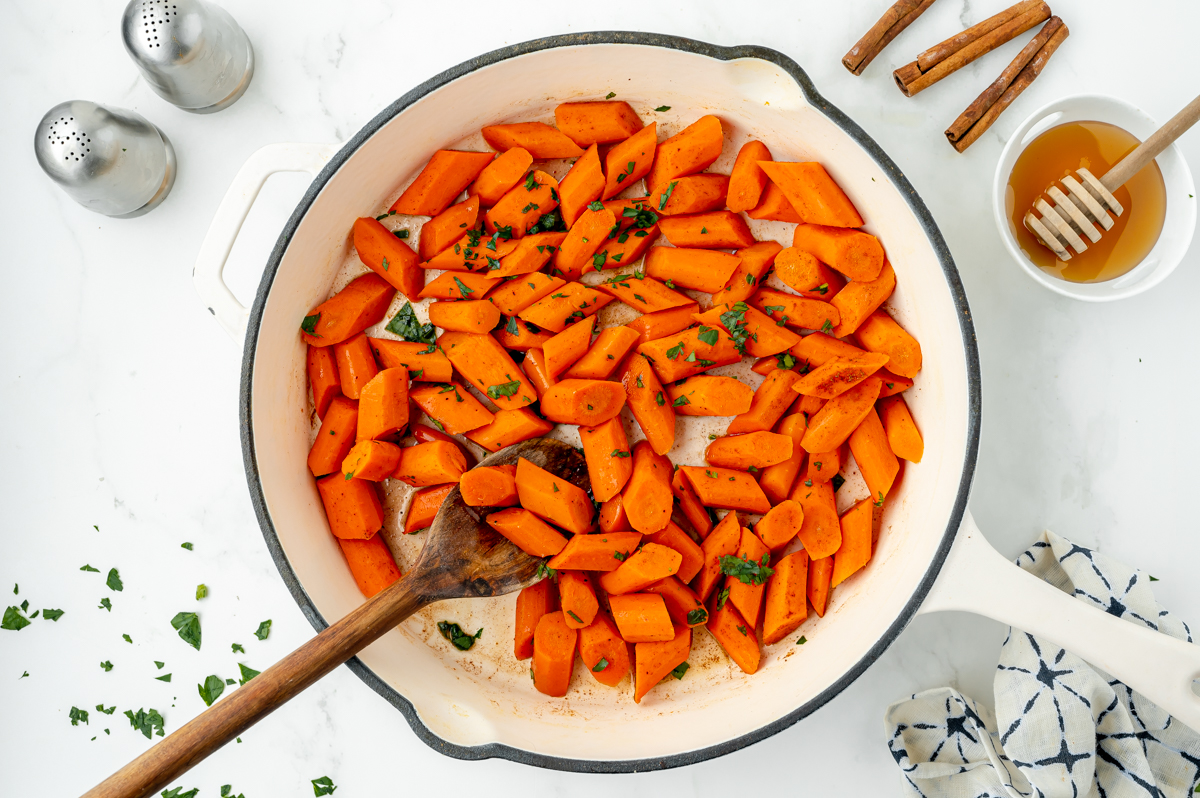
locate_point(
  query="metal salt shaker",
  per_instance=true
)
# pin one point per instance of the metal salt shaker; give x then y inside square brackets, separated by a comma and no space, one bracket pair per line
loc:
[192,53]
[109,160]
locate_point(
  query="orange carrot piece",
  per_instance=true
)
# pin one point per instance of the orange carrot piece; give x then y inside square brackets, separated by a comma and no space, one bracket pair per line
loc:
[472,316]
[435,463]
[692,556]
[323,377]
[509,427]
[748,180]
[726,489]
[691,194]
[553,654]
[855,551]
[356,364]
[859,299]
[604,653]
[839,375]
[523,339]
[606,353]
[458,285]
[543,141]
[371,563]
[534,366]
[335,438]
[630,160]
[713,230]
[801,271]
[351,505]
[750,450]
[566,347]
[663,322]
[597,552]
[703,395]
[489,368]
[754,263]
[873,453]
[371,460]
[523,205]
[609,460]
[902,433]
[676,357]
[424,507]
[690,150]
[646,566]
[654,661]
[513,296]
[442,231]
[820,532]
[723,541]
[817,349]
[424,433]
[747,597]
[684,606]
[356,307]
[648,403]
[500,176]
[585,237]
[613,517]
[527,532]
[797,311]
[582,185]
[770,401]
[879,332]
[840,416]
[820,572]
[420,363]
[451,407]
[556,500]
[489,486]
[856,254]
[531,253]
[587,403]
[781,524]
[647,497]
[578,597]
[776,481]
[388,256]
[567,304]
[893,383]
[695,512]
[823,466]
[734,633]
[473,252]
[533,602]
[599,122]
[700,269]
[443,178]
[641,617]
[774,206]
[643,293]
[626,248]
[763,336]
[813,193]
[786,608]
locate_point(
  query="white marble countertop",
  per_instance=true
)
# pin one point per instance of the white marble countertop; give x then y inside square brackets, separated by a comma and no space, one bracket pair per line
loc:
[120,393]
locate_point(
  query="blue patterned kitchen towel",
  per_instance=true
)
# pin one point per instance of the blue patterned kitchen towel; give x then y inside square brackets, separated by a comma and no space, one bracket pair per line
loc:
[1062,728]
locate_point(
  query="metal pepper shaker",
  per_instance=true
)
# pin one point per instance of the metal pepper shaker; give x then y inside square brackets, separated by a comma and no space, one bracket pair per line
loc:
[109,160]
[191,52]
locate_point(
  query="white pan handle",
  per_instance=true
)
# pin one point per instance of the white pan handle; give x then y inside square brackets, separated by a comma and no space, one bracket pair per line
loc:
[976,578]
[231,213]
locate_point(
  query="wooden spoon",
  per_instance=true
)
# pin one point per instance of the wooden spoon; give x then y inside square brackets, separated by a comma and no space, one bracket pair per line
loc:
[462,557]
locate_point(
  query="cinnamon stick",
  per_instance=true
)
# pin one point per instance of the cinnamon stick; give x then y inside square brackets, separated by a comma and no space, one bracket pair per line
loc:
[1025,77]
[894,20]
[975,42]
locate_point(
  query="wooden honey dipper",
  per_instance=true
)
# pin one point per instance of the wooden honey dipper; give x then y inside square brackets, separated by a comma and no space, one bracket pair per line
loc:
[1086,201]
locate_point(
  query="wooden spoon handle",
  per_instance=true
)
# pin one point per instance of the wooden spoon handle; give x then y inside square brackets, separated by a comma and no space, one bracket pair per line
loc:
[1149,149]
[195,740]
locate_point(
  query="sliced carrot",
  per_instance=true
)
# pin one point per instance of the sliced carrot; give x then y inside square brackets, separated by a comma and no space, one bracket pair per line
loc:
[823,466]
[442,231]
[424,433]
[523,205]
[770,401]
[520,335]
[485,364]
[472,316]
[606,353]
[446,175]
[700,269]
[610,463]
[424,507]
[748,596]
[754,263]
[424,362]
[684,354]
[604,551]
[820,573]
[902,433]
[351,505]
[578,597]
[586,236]
[688,151]
[776,481]
[873,453]
[817,349]
[587,403]
[648,403]
[458,285]
[781,524]
[553,654]
[371,460]
[646,566]
[389,257]
[489,486]
[356,364]
[534,366]
[335,438]
[695,512]
[855,550]
[582,185]
[564,306]
[893,383]
[704,395]
[626,247]
[713,230]
[641,617]
[676,539]
[599,122]
[527,532]
[513,296]
[533,602]
[800,312]
[813,193]
[427,464]
[613,517]
[774,206]
[748,180]
[734,633]
[856,254]
[566,347]
[691,194]
[801,271]
[644,293]
[499,177]
[543,141]
[554,499]
[879,332]
[509,427]
[654,661]
[451,407]
[750,450]
[723,541]
[647,496]
[323,377]
[726,489]
[604,653]
[839,417]
[663,322]
[760,335]
[356,307]
[786,608]
[371,563]
[531,253]
[630,160]
[474,252]
[684,606]
[839,375]
[820,532]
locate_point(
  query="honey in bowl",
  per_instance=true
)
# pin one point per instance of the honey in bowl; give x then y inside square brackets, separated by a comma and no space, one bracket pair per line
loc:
[1097,147]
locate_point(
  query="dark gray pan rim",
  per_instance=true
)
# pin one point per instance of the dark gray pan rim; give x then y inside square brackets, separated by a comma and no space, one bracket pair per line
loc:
[914,202]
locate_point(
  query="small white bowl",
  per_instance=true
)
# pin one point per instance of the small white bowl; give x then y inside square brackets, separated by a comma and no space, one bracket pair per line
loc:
[1178,227]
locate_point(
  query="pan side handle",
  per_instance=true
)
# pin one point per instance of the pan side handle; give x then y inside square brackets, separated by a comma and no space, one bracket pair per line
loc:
[977,578]
[208,273]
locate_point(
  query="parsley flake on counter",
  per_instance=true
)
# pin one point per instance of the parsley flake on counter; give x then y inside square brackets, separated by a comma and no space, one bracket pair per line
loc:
[109,711]
[746,570]
[188,626]
[105,604]
[146,722]
[159,665]
[23,675]
[247,673]
[264,630]
[166,677]
[323,786]
[201,591]
[680,670]
[127,638]
[454,633]
[77,715]
[227,789]
[187,546]
[178,793]
[237,648]
[114,580]
[107,665]
[211,690]
[90,568]
[14,620]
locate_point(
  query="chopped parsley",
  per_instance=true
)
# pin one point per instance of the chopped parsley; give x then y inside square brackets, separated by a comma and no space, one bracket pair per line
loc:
[576,618]
[90,568]
[264,630]
[188,626]
[405,325]
[697,616]
[247,673]
[734,320]
[722,598]
[659,398]
[503,389]
[454,633]
[106,665]
[546,571]
[786,360]
[628,171]
[619,453]
[211,690]
[187,546]
[462,289]
[146,722]
[105,604]
[662,108]
[709,335]
[620,556]
[596,206]
[746,570]
[675,351]
[530,182]
[838,480]
[680,402]
[680,670]
[827,327]
[610,95]
[178,793]
[114,580]
[237,648]
[77,715]
[599,666]
[666,195]
[309,325]
[52,615]
[323,786]
[13,620]
[202,590]
[802,640]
